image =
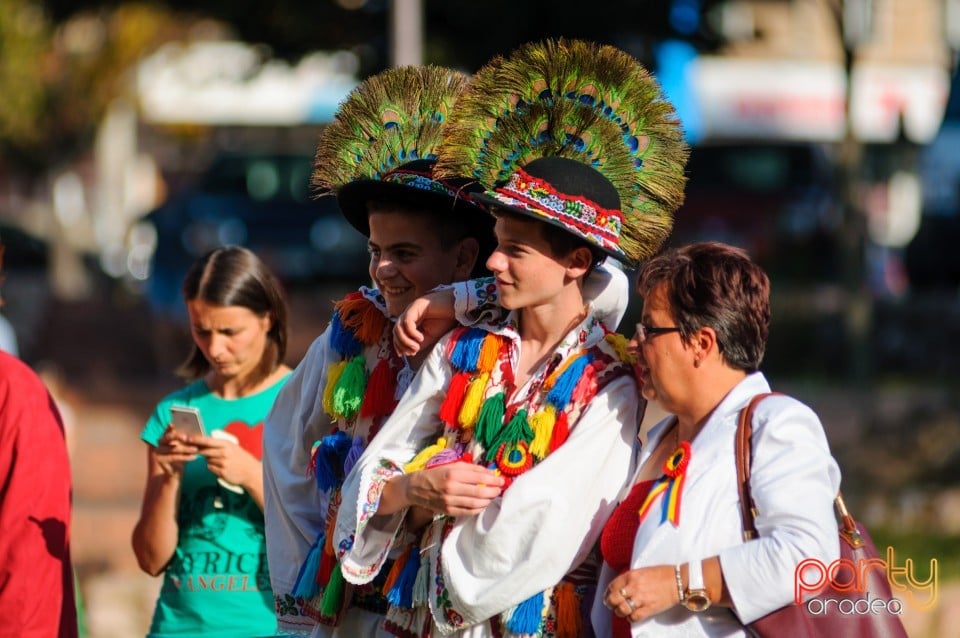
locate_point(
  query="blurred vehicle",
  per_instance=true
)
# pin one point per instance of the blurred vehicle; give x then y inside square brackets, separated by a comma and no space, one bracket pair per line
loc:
[932,259]
[778,201]
[263,202]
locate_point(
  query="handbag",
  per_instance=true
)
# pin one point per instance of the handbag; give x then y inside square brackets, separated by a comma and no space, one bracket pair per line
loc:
[832,612]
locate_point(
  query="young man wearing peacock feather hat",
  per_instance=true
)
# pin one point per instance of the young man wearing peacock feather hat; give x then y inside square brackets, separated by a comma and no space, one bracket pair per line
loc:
[508,451]
[377,157]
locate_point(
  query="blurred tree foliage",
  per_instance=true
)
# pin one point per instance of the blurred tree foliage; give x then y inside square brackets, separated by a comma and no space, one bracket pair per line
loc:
[63,61]
[57,78]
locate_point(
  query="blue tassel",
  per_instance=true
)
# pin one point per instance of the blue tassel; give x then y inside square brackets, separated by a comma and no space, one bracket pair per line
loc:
[466,353]
[527,616]
[306,585]
[330,459]
[342,340]
[562,390]
[401,594]
[353,455]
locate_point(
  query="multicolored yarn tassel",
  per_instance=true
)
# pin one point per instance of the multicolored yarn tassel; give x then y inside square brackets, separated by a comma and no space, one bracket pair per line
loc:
[420,460]
[348,395]
[342,339]
[306,585]
[330,457]
[562,391]
[353,454]
[621,346]
[561,430]
[378,398]
[400,593]
[334,372]
[527,616]
[567,603]
[515,431]
[466,352]
[490,420]
[333,594]
[542,423]
[362,318]
[450,408]
[489,353]
[473,401]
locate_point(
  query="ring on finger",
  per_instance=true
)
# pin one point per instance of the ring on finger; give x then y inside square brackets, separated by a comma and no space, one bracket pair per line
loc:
[632,605]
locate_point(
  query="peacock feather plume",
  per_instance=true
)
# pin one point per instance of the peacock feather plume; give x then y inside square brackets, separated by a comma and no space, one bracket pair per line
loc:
[578,100]
[394,117]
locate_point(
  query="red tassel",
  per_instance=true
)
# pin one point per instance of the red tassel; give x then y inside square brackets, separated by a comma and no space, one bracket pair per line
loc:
[378,399]
[586,388]
[328,559]
[560,431]
[567,603]
[450,408]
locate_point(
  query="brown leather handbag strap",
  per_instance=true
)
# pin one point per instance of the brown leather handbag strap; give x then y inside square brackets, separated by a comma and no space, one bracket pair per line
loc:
[748,510]
[744,432]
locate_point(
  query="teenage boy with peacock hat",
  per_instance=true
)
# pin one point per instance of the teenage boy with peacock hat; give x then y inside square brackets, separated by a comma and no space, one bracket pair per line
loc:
[584,160]
[377,156]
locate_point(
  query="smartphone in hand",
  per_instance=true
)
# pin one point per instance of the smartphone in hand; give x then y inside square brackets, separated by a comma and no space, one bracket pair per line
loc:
[186,420]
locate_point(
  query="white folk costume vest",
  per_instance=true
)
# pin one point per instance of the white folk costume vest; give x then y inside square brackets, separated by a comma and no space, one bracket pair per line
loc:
[481,426]
[362,390]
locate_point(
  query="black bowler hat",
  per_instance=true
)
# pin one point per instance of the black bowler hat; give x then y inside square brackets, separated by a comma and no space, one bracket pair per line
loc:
[575,134]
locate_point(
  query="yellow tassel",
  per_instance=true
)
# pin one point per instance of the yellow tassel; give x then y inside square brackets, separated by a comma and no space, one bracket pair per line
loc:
[488,353]
[473,401]
[542,425]
[567,603]
[622,346]
[420,460]
[333,375]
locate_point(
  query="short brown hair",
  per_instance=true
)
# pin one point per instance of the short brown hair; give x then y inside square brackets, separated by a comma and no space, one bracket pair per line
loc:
[710,284]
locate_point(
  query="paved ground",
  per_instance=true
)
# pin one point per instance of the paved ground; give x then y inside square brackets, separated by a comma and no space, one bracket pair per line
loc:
[108,363]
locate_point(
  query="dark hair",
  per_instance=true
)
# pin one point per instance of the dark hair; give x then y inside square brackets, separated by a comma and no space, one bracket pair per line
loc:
[234,276]
[716,285]
[561,241]
[450,227]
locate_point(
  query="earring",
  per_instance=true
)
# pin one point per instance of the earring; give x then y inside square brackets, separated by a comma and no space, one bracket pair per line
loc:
[696,362]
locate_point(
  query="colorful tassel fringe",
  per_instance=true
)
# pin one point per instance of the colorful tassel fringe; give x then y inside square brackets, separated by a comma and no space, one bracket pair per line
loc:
[353,454]
[466,352]
[450,408]
[490,420]
[348,395]
[473,401]
[420,460]
[330,457]
[378,399]
[334,372]
[567,603]
[516,430]
[306,583]
[527,616]
[400,593]
[333,594]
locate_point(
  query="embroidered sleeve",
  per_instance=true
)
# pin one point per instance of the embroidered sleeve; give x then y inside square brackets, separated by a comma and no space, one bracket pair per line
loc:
[476,301]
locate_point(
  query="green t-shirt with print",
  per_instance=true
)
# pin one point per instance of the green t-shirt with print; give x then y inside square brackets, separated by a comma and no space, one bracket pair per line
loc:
[217,582]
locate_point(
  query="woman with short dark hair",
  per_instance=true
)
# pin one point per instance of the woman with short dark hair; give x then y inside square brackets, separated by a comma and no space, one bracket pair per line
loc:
[674,557]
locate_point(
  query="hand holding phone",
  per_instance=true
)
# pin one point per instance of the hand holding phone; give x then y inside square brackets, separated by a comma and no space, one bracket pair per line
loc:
[186,420]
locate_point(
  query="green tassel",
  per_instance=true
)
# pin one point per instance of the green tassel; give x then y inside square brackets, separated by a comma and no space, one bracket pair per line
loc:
[490,420]
[348,395]
[333,594]
[516,430]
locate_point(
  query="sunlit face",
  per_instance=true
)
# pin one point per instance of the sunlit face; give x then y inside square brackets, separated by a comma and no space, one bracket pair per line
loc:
[527,274]
[663,361]
[407,259]
[232,338]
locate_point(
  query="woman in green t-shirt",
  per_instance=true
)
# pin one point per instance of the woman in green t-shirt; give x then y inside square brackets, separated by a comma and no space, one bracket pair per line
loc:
[201,523]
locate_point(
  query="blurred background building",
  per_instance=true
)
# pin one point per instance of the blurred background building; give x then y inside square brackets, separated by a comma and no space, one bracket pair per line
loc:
[825,140]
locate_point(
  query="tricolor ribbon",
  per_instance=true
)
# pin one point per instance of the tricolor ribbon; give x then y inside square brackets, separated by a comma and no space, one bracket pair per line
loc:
[670,485]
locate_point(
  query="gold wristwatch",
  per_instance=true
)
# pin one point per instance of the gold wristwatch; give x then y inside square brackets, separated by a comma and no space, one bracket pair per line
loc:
[695,597]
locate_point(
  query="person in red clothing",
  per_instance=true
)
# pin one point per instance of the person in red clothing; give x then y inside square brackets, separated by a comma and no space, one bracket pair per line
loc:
[36,575]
